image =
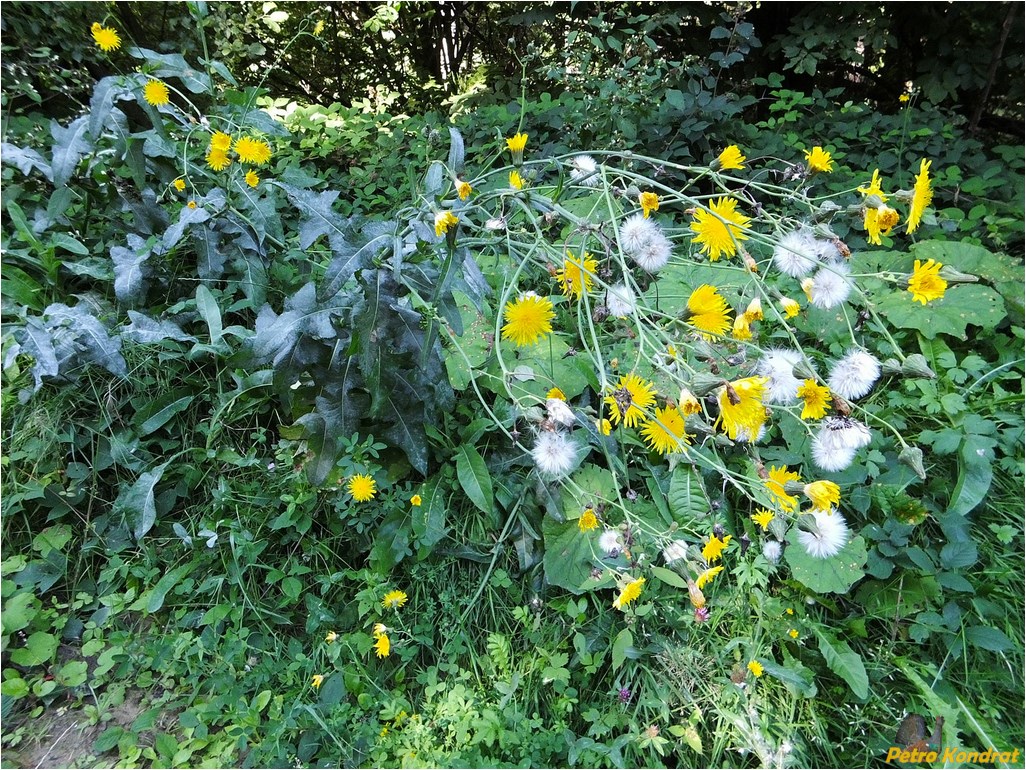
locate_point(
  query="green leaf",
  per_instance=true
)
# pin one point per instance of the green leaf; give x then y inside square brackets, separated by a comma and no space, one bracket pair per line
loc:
[332,690]
[137,504]
[987,638]
[52,539]
[569,557]
[843,661]
[108,739]
[129,273]
[975,474]
[72,674]
[961,305]
[15,687]
[165,584]
[456,151]
[19,611]
[835,574]
[429,516]
[669,577]
[474,477]
[688,501]
[39,649]
[211,313]
[797,677]
[621,644]
[71,144]
[173,65]
[159,412]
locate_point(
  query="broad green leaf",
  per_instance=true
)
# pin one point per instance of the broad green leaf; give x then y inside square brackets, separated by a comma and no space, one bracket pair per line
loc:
[961,305]
[429,516]
[988,638]
[211,313]
[456,151]
[669,577]
[570,556]
[621,644]
[72,674]
[843,661]
[975,474]
[590,487]
[156,597]
[474,477]
[687,499]
[797,677]
[159,411]
[39,649]
[835,574]
[70,144]
[19,611]
[137,503]
[52,539]
[129,269]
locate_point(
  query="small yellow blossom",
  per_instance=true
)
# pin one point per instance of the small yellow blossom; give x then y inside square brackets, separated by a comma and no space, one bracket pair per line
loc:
[630,592]
[604,426]
[361,487]
[730,158]
[925,283]
[443,221]
[515,180]
[819,160]
[252,179]
[649,202]
[793,633]
[706,577]
[823,494]
[775,481]
[790,307]
[382,645]
[816,399]
[762,517]
[416,501]
[756,668]
[179,184]
[252,150]
[221,141]
[922,196]
[754,310]
[156,93]
[191,204]
[331,637]
[742,328]
[556,393]
[517,143]
[394,600]
[528,319]
[463,189]
[588,520]
[218,160]
[904,98]
[713,550]
[317,680]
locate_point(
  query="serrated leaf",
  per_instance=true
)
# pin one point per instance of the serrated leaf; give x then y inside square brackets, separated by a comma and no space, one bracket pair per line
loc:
[187,216]
[318,217]
[474,477]
[835,574]
[347,259]
[210,258]
[37,341]
[24,159]
[148,331]
[137,502]
[83,339]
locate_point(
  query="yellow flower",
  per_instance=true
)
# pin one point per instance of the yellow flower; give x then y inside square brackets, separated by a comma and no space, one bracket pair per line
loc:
[707,576]
[463,189]
[741,411]
[631,396]
[904,98]
[191,204]
[528,319]
[754,310]
[819,160]
[665,432]
[221,141]
[587,521]
[630,592]
[755,667]
[361,487]
[925,282]
[576,275]
[762,517]
[742,328]
[688,403]
[874,187]
[443,221]
[604,426]
[775,483]
[730,158]
[179,184]
[252,150]
[317,680]
[713,550]
[416,501]
[823,494]
[106,38]
[393,600]
[715,235]
[379,628]
[218,160]
[515,180]
[816,398]
[791,308]
[156,93]
[807,284]
[649,202]
[555,393]
[922,195]
[789,610]
[709,311]
[331,637]
[793,633]
[516,146]
[252,179]
[382,645]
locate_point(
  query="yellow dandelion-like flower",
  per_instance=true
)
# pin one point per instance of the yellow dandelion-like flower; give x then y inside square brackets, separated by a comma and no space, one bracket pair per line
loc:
[517,143]
[755,667]
[775,484]
[790,307]
[221,141]
[922,196]
[105,37]
[706,577]
[816,399]
[713,550]
[730,158]
[191,204]
[904,98]
[556,393]
[630,398]
[742,413]
[528,319]
[754,311]
[630,592]
[156,93]
[443,221]
[793,633]
[874,187]
[576,276]
[742,328]
[649,202]
[463,189]
[762,517]
[665,431]
[382,645]
[252,179]
[709,312]
[604,426]
[688,403]
[925,283]
[218,160]
[819,160]
[361,487]
[588,521]
[316,680]
[394,600]
[415,501]
[823,494]
[179,184]
[515,180]
[252,151]
[331,637]
[719,228]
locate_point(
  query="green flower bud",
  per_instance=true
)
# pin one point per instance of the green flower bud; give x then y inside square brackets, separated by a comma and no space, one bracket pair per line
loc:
[912,456]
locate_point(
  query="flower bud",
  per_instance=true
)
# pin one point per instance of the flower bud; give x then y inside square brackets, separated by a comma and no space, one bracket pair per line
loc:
[695,595]
[916,366]
[703,384]
[951,275]
[891,366]
[912,456]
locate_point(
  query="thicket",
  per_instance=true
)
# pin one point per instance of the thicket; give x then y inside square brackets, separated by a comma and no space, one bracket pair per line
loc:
[318,382]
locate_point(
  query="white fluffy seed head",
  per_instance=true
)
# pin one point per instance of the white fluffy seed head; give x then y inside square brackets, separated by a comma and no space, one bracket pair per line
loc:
[554,454]
[620,301]
[825,251]
[584,170]
[831,285]
[854,375]
[828,536]
[559,412]
[796,253]
[654,253]
[829,457]
[778,366]
[635,232]
[676,550]
[609,541]
[771,551]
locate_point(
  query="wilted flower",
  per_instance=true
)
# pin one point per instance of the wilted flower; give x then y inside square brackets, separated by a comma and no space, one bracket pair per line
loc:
[316,680]
[742,329]
[834,447]
[678,549]
[515,180]
[790,307]
[853,375]
[707,575]
[559,412]
[331,637]
[826,536]
[463,189]
[771,551]
[653,255]
[609,542]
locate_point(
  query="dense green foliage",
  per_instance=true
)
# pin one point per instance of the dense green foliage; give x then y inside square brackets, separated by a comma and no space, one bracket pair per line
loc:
[194,374]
